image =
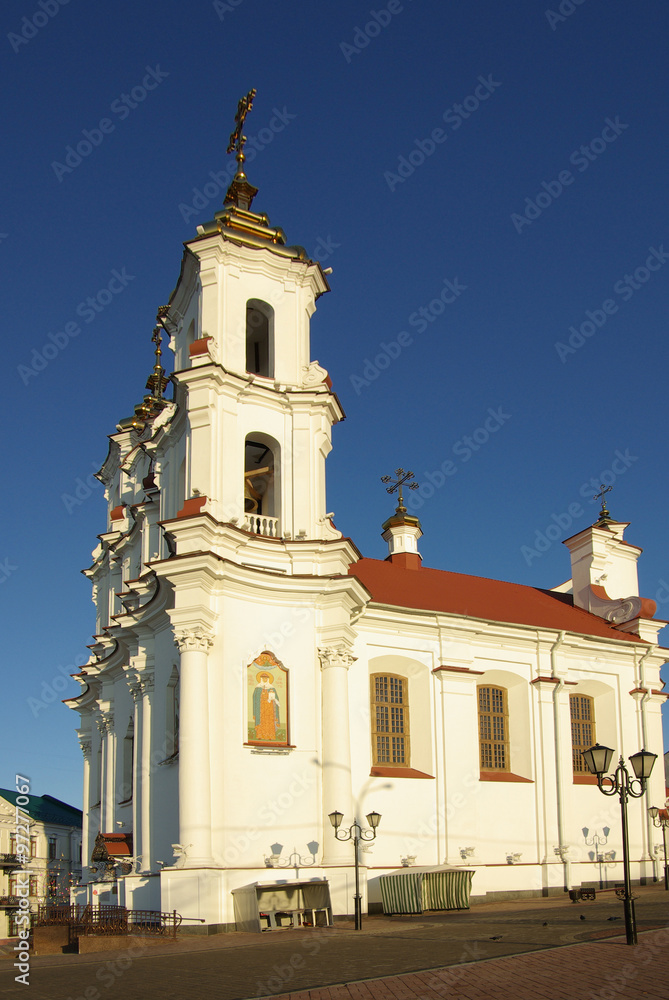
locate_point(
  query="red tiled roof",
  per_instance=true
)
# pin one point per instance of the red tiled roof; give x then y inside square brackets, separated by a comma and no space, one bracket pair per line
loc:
[477,597]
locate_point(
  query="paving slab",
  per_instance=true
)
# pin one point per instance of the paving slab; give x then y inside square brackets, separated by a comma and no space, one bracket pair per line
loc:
[538,948]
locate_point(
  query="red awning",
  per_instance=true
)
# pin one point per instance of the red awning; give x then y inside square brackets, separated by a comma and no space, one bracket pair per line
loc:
[118,844]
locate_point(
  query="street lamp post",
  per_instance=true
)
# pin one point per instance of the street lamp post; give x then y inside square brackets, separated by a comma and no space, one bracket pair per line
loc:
[356,834]
[660,819]
[598,759]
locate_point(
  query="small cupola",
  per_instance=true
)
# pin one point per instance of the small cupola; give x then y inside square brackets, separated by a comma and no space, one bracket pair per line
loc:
[402,530]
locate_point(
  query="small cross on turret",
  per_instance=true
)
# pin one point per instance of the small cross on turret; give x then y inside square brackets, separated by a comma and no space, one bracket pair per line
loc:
[237,140]
[604,515]
[402,480]
[240,192]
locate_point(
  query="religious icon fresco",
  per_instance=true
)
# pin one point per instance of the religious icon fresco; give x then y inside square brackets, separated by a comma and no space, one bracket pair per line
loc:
[267,712]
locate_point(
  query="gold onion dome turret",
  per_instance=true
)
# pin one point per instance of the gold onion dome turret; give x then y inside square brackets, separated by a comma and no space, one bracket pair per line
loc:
[236,220]
[157,382]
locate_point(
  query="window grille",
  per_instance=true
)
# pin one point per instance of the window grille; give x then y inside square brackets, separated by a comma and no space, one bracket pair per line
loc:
[390,720]
[493,729]
[582,711]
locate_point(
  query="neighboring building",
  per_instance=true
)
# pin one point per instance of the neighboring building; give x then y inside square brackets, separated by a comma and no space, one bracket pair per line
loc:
[252,672]
[53,866]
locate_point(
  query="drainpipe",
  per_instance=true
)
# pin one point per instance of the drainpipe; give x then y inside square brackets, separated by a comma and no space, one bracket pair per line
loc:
[557,689]
[645,697]
[644,740]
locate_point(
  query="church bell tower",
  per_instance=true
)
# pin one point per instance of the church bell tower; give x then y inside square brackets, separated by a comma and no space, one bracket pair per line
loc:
[215,701]
[260,411]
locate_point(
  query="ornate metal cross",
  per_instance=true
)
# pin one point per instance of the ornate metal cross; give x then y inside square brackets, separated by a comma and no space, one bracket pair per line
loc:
[157,382]
[603,490]
[237,140]
[402,480]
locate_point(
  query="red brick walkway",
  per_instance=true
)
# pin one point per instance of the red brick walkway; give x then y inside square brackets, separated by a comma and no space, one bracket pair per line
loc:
[602,970]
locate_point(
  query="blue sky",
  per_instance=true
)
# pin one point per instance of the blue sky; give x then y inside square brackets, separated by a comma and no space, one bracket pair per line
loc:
[481,180]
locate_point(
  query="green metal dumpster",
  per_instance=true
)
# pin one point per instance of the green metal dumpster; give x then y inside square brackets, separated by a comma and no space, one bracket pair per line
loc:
[414,890]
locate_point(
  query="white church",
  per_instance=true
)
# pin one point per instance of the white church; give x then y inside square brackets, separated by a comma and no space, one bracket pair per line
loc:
[253,673]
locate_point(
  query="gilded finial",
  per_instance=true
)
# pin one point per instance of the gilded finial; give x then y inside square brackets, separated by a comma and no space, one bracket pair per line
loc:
[402,480]
[604,515]
[237,140]
[240,192]
[157,382]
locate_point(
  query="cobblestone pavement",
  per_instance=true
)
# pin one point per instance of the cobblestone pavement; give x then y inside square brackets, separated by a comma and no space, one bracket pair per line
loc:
[607,970]
[501,951]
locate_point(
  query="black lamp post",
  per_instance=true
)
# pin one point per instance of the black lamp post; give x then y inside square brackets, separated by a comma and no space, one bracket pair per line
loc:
[660,819]
[356,834]
[598,759]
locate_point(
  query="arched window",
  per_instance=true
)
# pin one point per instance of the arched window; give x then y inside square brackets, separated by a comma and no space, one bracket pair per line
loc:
[582,711]
[261,488]
[493,728]
[390,720]
[259,338]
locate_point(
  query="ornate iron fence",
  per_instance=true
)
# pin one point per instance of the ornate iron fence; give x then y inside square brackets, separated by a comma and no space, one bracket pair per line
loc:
[85,920]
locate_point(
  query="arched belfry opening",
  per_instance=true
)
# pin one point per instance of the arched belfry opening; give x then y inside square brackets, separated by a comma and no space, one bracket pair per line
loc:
[261,487]
[259,338]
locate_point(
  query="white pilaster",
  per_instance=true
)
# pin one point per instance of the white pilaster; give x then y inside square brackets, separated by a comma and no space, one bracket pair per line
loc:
[336,750]
[107,781]
[194,748]
[143,844]
[84,737]
[545,751]
[461,785]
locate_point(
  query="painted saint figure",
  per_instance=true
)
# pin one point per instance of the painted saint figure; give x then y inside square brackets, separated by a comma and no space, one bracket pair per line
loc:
[265,707]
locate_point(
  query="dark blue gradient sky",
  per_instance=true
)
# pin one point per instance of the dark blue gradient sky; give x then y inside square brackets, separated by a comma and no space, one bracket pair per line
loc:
[406,148]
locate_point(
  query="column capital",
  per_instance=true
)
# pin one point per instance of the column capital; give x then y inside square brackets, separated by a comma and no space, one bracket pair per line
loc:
[105,722]
[84,738]
[139,681]
[132,678]
[331,656]
[146,682]
[135,689]
[195,638]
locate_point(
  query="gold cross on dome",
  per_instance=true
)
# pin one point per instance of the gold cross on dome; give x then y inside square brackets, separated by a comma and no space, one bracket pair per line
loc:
[237,140]
[402,480]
